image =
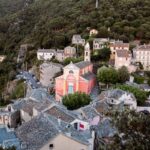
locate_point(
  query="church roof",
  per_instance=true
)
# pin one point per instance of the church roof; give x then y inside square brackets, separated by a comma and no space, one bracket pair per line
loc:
[82,64]
[88,76]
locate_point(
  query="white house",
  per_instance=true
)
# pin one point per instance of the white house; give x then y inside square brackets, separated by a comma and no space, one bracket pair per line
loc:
[99,43]
[142,54]
[45,54]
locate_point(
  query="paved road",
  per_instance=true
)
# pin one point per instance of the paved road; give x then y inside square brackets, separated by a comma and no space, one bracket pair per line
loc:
[30,79]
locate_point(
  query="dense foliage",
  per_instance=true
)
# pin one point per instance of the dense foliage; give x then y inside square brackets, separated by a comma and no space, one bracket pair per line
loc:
[140,95]
[111,76]
[135,131]
[51,23]
[76,100]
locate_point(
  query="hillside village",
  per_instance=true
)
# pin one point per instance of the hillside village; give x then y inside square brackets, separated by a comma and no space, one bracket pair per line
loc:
[43,118]
[77,79]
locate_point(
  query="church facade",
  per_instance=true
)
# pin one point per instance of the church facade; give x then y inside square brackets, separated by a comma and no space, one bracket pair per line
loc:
[77,77]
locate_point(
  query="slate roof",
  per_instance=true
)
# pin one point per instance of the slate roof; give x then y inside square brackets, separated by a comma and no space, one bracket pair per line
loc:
[88,76]
[89,112]
[82,64]
[60,113]
[37,132]
[8,138]
[105,128]
[143,48]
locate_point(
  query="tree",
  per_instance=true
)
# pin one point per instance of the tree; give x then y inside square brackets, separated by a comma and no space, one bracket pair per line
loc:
[107,75]
[134,127]
[123,74]
[76,100]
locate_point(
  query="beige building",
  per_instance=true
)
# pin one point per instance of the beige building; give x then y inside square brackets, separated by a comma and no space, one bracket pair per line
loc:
[69,52]
[118,45]
[142,54]
[124,58]
[65,142]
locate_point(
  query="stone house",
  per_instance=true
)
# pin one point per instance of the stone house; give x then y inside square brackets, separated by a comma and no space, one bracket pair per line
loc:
[48,72]
[69,52]
[124,58]
[76,39]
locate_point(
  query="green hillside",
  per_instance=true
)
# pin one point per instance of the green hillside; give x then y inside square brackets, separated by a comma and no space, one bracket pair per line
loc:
[51,23]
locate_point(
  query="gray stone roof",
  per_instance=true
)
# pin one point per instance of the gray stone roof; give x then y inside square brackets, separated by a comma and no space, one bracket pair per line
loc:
[105,128]
[82,64]
[42,128]
[36,132]
[61,113]
[88,76]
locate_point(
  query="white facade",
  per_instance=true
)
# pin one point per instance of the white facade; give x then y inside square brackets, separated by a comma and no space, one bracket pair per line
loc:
[100,43]
[45,54]
[142,55]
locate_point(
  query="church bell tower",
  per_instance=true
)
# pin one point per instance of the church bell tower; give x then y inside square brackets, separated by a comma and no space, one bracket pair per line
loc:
[87,52]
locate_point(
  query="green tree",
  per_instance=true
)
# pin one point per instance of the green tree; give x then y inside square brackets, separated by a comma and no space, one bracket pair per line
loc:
[107,75]
[76,100]
[134,127]
[123,74]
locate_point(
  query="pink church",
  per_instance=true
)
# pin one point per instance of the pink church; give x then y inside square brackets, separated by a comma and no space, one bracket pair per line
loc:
[76,77]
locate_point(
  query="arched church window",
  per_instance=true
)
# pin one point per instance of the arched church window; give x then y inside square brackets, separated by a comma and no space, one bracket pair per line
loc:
[71,71]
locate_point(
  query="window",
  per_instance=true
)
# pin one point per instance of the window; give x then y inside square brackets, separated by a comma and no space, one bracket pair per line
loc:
[70,88]
[51,146]
[71,71]
[86,54]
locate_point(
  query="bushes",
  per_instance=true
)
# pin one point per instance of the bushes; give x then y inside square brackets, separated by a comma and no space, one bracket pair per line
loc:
[76,100]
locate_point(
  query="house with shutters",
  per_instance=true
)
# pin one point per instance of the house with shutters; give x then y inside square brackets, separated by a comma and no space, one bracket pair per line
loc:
[76,77]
